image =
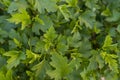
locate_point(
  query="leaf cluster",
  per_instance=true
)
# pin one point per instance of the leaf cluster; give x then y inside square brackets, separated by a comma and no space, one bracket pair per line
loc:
[59,39]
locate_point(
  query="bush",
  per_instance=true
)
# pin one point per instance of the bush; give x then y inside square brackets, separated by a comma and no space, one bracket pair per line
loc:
[59,39]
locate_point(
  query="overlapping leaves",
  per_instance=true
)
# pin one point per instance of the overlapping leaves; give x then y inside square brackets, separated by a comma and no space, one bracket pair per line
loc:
[59,39]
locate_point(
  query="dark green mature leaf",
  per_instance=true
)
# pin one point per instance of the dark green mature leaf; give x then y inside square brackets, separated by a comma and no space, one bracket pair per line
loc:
[46,24]
[13,34]
[91,4]
[61,47]
[40,69]
[4,23]
[61,66]
[2,61]
[17,5]
[40,5]
[88,18]
[114,17]
[40,47]
[111,76]
[3,34]
[118,28]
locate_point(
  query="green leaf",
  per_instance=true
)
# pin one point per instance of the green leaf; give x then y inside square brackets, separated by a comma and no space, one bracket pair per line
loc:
[17,5]
[2,61]
[43,26]
[76,36]
[114,17]
[61,66]
[21,17]
[84,74]
[65,12]
[15,58]
[37,19]
[100,61]
[76,59]
[2,76]
[30,74]
[50,35]
[88,18]
[5,2]
[40,70]
[14,34]
[39,47]
[111,76]
[49,5]
[31,56]
[72,3]
[95,61]
[108,44]
[106,12]
[92,4]
[49,38]
[97,27]
[7,76]
[61,47]
[92,64]
[108,41]
[19,44]
[32,41]
[3,34]
[118,28]
[110,59]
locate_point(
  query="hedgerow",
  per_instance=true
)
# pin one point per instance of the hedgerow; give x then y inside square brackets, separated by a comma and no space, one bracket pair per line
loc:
[59,40]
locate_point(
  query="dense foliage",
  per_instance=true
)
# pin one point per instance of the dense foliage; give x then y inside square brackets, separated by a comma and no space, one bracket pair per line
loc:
[59,39]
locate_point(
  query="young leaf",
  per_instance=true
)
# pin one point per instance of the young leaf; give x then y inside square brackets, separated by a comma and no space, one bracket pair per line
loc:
[110,59]
[108,41]
[50,34]
[15,58]
[72,2]
[21,17]
[106,12]
[40,70]
[7,76]
[31,56]
[65,12]
[17,42]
